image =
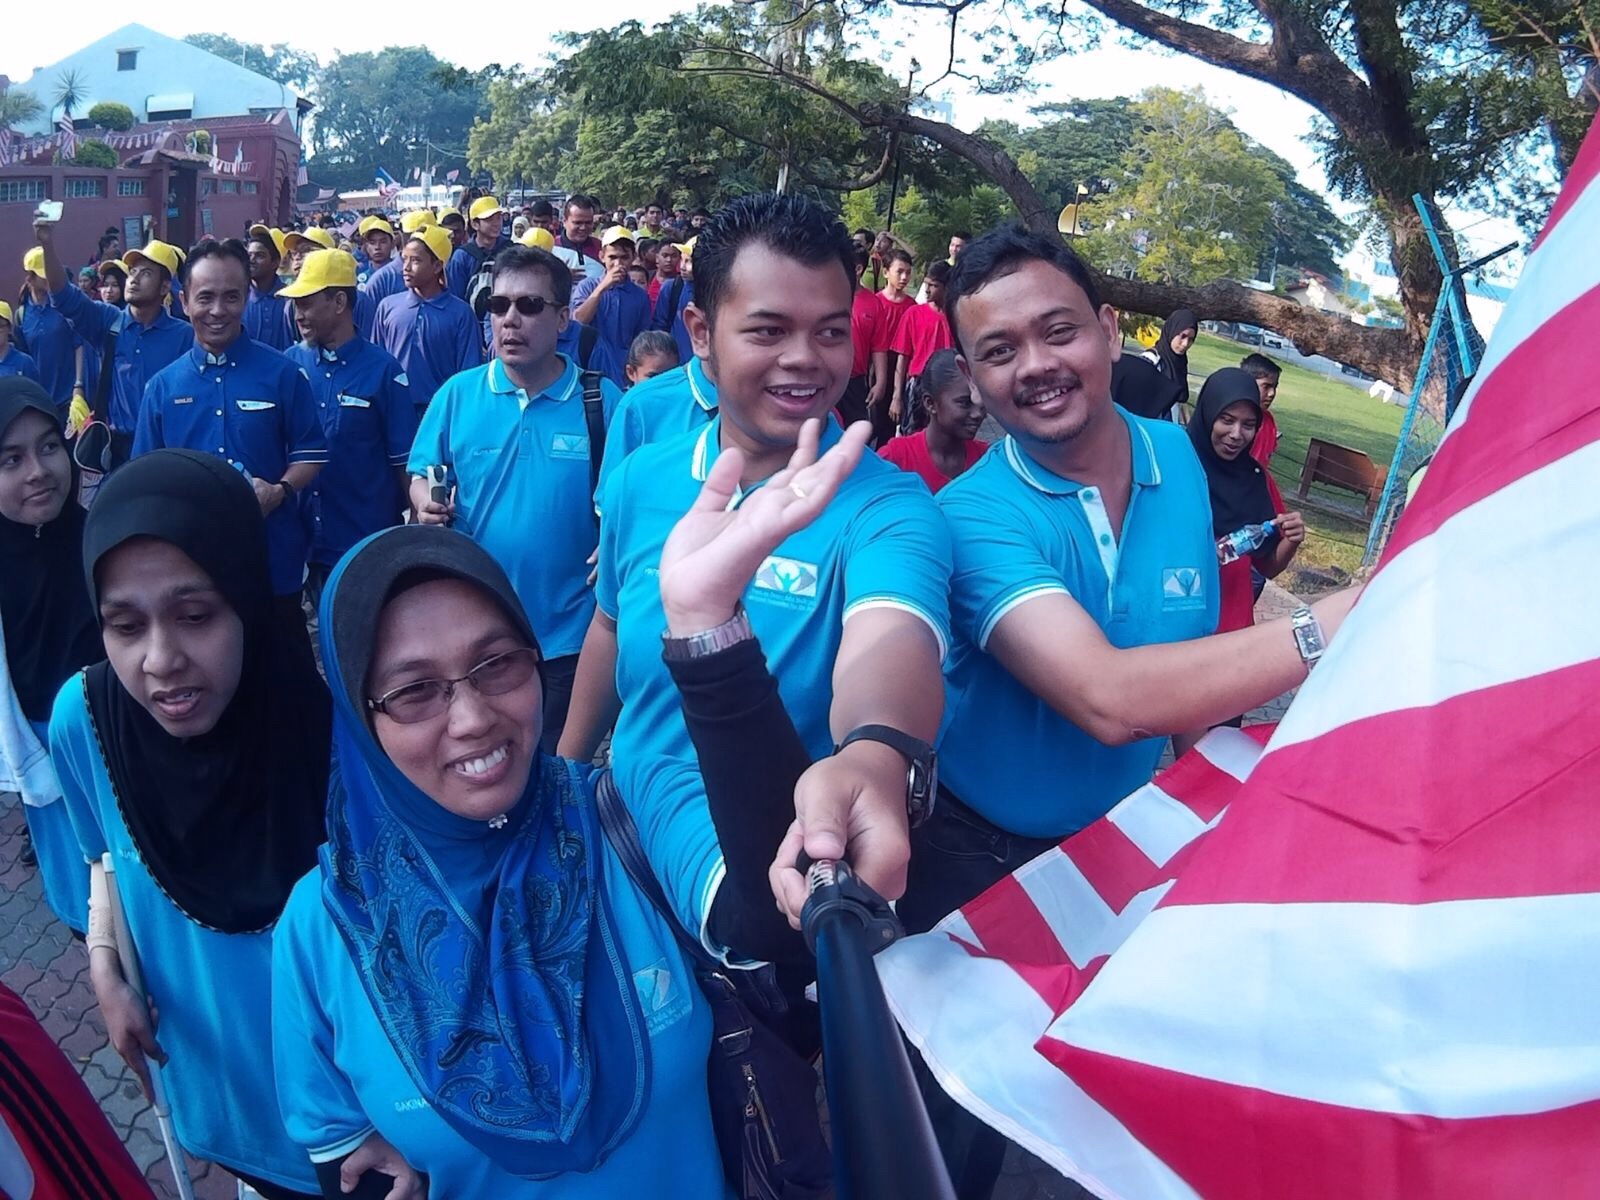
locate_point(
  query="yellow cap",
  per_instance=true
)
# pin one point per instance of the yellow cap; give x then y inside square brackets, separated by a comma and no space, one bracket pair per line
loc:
[539,238]
[446,214]
[417,219]
[369,224]
[112,264]
[160,253]
[617,233]
[5,312]
[268,233]
[33,260]
[484,206]
[316,235]
[321,270]
[437,241]
[686,248]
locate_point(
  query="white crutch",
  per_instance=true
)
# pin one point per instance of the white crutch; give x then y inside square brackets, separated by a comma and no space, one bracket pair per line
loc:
[130,972]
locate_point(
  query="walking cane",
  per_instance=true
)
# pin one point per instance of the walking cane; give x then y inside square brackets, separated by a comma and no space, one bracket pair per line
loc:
[883,1143]
[130,972]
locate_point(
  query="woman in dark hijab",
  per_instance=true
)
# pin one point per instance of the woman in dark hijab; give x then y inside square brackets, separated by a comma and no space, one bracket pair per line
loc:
[49,628]
[1170,354]
[1223,425]
[196,759]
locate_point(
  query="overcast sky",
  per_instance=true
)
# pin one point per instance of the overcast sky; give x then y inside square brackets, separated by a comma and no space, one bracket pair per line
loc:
[35,35]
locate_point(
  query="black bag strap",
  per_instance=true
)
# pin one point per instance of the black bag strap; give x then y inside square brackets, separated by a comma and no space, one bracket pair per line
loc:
[588,338]
[623,834]
[102,384]
[594,416]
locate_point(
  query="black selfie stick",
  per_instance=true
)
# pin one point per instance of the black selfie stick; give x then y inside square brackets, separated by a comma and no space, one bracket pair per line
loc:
[883,1145]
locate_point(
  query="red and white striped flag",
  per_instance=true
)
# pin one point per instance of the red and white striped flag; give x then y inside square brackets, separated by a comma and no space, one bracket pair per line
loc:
[1377,973]
[5,146]
[69,137]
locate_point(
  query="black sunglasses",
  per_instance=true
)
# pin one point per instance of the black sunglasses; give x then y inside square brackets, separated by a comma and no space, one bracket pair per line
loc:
[528,306]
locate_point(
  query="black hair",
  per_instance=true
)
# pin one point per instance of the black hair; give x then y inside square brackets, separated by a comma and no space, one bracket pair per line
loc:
[543,210]
[1000,252]
[871,233]
[107,238]
[1259,366]
[272,246]
[939,272]
[962,234]
[863,260]
[899,255]
[699,212]
[646,243]
[530,258]
[579,200]
[788,224]
[651,342]
[938,371]
[214,248]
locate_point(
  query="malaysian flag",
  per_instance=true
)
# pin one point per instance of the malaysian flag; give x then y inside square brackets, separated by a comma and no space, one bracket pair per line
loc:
[387,187]
[452,176]
[5,146]
[1365,962]
[69,137]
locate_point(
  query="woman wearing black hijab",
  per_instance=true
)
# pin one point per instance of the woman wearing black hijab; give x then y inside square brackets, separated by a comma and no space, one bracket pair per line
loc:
[1223,425]
[49,629]
[1170,354]
[196,757]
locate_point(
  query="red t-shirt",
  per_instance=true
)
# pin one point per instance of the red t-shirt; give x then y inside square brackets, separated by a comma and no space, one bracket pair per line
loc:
[653,291]
[1236,604]
[923,331]
[866,316]
[1261,450]
[894,311]
[910,452]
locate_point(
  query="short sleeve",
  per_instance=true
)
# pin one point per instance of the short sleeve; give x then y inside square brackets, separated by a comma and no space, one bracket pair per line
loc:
[624,434]
[320,1109]
[900,556]
[73,753]
[999,562]
[399,415]
[307,440]
[147,435]
[432,444]
[607,503]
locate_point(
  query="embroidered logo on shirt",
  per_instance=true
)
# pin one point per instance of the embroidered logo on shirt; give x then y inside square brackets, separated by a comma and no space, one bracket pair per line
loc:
[788,576]
[414,1104]
[1182,587]
[661,1000]
[569,445]
[183,399]
[348,401]
[255,405]
[402,380]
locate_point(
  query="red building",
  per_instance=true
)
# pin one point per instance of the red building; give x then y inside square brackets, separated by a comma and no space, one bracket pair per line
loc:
[178,181]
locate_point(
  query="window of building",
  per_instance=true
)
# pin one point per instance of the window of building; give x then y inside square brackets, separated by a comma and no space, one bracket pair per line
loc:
[17,191]
[207,186]
[228,187]
[130,187]
[127,60]
[250,187]
[85,189]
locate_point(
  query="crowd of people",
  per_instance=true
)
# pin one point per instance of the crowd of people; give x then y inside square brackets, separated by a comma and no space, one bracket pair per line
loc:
[333,567]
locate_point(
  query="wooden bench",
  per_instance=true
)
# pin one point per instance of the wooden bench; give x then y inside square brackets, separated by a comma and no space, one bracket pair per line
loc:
[1342,467]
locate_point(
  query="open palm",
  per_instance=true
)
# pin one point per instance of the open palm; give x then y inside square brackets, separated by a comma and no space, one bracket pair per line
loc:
[714,550]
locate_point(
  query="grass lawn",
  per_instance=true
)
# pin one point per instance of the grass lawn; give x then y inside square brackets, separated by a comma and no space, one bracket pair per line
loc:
[1313,405]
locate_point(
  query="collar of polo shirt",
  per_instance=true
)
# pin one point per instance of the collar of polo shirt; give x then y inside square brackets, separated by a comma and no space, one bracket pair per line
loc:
[708,445]
[560,389]
[1146,472]
[697,377]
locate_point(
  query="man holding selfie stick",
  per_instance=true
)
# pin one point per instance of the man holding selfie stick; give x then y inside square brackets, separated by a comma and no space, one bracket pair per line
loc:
[134,342]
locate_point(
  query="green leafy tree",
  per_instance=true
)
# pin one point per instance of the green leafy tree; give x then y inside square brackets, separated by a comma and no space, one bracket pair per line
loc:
[1078,142]
[92,152]
[282,62]
[1193,204]
[18,107]
[111,114]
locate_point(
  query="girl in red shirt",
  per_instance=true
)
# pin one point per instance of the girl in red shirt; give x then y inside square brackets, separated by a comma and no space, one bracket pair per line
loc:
[1224,424]
[950,444]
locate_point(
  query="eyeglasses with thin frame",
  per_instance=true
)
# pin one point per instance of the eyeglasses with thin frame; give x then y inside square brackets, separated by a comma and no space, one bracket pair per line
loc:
[528,306]
[428,698]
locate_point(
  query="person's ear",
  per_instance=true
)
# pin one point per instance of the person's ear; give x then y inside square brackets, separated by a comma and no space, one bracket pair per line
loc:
[698,326]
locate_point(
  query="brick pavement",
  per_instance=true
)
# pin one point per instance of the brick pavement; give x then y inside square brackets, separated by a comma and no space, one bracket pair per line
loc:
[40,961]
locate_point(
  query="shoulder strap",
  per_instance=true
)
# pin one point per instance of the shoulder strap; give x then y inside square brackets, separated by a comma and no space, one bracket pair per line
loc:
[588,335]
[594,416]
[102,383]
[623,834]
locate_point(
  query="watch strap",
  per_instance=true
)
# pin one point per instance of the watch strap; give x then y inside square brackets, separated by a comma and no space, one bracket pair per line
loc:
[1308,636]
[706,642]
[912,747]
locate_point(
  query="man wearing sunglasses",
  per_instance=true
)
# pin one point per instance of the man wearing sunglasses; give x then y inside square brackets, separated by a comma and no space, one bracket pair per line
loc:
[514,444]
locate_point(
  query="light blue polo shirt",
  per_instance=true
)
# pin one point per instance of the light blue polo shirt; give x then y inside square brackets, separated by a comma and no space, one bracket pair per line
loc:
[669,404]
[1021,532]
[520,466]
[881,543]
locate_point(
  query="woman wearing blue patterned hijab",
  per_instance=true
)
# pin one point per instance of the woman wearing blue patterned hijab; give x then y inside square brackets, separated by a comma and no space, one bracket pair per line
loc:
[468,987]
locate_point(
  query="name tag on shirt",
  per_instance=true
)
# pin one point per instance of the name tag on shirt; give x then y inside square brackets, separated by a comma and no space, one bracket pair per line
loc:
[786,580]
[569,445]
[255,405]
[1182,588]
[348,401]
[183,399]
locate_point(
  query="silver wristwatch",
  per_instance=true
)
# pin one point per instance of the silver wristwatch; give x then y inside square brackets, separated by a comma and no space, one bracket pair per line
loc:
[1308,637]
[731,632]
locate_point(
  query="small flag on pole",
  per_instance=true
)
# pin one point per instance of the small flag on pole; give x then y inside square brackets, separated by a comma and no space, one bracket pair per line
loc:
[69,137]
[452,176]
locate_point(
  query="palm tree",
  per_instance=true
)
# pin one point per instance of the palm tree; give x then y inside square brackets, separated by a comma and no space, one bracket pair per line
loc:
[18,108]
[71,88]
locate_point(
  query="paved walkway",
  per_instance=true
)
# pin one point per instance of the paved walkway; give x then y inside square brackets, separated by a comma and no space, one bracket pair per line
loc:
[40,961]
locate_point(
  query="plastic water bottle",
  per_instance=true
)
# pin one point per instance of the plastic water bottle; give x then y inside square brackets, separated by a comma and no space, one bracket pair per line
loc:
[1245,541]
